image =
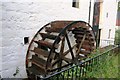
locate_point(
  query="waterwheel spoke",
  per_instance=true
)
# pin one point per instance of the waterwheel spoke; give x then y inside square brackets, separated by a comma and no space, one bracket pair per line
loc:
[66,52]
[55,62]
[61,52]
[70,48]
[81,44]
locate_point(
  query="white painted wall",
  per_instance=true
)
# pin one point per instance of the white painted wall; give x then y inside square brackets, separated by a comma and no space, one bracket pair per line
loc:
[109,22]
[0,39]
[23,19]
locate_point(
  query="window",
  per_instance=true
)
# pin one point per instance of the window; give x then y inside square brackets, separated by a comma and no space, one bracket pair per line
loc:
[109,33]
[107,15]
[26,40]
[75,3]
[119,6]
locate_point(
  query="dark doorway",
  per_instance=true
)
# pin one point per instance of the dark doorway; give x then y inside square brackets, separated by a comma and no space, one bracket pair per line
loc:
[99,34]
[96,18]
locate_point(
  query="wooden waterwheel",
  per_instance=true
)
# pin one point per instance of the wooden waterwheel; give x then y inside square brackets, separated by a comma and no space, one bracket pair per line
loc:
[57,45]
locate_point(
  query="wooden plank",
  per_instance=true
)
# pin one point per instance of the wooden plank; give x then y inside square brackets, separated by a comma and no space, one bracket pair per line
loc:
[80,45]
[85,52]
[35,70]
[46,44]
[53,29]
[42,52]
[88,47]
[81,56]
[49,36]
[56,26]
[87,38]
[62,24]
[80,32]
[39,62]
[85,41]
[80,29]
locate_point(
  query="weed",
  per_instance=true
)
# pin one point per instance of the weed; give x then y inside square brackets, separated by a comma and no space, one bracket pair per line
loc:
[17,71]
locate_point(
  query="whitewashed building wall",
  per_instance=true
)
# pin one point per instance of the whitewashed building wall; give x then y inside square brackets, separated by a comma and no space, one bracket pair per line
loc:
[107,22]
[0,39]
[23,19]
